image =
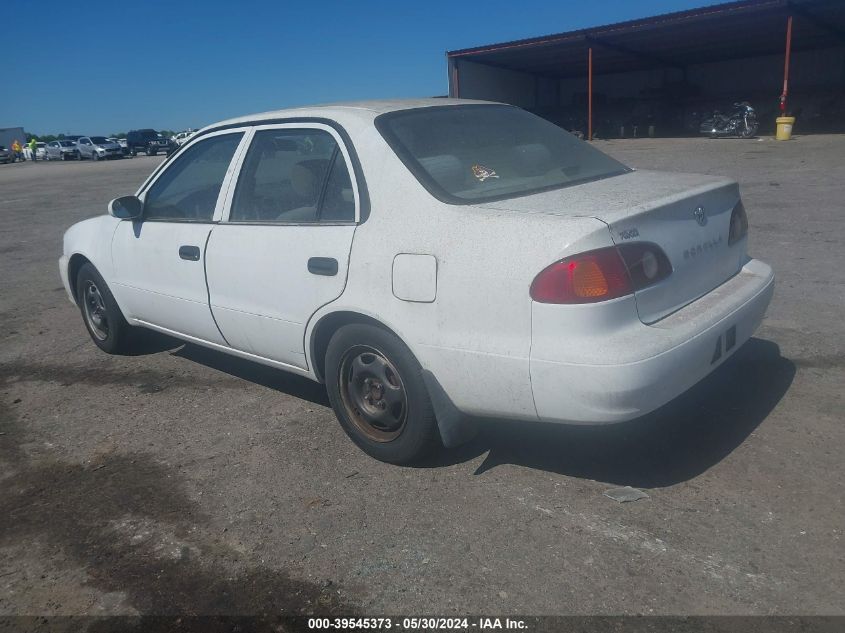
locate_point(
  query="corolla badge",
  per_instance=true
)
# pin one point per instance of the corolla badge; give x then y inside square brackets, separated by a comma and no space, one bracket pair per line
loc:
[700,216]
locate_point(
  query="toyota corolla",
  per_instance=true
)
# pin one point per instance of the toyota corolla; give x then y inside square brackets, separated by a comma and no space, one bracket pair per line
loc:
[431,262]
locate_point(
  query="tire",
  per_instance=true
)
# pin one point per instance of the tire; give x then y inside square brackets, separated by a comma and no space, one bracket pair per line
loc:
[94,157]
[750,130]
[376,389]
[151,151]
[100,313]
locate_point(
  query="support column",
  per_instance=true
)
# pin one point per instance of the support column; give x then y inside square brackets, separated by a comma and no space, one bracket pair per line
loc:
[786,66]
[454,79]
[590,93]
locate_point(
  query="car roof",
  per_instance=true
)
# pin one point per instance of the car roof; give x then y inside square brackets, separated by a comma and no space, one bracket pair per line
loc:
[345,111]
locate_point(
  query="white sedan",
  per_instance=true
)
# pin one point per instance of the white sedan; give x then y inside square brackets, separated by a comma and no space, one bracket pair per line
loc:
[432,262]
[183,137]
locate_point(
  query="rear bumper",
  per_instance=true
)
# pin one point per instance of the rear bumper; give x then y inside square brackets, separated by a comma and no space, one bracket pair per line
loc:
[628,370]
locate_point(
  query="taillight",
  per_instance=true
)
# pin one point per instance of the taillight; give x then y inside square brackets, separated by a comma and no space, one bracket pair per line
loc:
[739,224]
[647,263]
[600,275]
[586,278]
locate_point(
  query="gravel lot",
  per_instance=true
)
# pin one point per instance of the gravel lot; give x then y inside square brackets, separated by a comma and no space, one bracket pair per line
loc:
[185,481]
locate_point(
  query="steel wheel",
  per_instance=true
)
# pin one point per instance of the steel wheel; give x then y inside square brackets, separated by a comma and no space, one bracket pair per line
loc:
[373,393]
[95,311]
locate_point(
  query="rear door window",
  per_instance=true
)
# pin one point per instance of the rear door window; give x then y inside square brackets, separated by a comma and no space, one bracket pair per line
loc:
[293,176]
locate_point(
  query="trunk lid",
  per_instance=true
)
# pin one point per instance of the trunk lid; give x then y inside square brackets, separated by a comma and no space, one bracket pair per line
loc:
[687,215]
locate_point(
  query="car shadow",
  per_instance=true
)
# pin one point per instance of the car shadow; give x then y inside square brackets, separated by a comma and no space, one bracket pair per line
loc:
[676,443]
[146,342]
[673,444]
[263,375]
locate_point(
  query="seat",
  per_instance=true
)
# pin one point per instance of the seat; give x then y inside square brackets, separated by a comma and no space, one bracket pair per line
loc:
[306,178]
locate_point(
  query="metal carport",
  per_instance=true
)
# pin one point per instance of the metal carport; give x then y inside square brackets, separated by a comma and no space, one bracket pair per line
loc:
[664,73]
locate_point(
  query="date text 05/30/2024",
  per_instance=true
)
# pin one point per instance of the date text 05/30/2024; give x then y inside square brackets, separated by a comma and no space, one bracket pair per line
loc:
[424,623]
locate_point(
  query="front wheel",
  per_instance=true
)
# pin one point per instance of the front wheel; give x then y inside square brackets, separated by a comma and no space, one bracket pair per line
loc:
[101,314]
[750,129]
[376,389]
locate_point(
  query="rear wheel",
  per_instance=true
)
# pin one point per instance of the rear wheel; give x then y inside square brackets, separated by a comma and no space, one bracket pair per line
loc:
[376,389]
[101,314]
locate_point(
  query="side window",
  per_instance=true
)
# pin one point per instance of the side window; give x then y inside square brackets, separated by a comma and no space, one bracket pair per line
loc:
[339,199]
[292,176]
[187,190]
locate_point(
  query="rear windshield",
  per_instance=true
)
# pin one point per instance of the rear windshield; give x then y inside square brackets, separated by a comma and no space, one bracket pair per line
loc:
[477,153]
[67,143]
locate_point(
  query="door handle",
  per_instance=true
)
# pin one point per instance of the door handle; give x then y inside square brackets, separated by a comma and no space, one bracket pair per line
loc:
[191,253]
[323,266]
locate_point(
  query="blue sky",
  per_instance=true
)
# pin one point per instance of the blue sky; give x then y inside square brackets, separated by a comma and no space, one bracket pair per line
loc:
[103,66]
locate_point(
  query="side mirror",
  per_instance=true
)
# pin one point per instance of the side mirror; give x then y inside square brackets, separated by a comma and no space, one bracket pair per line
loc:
[126,208]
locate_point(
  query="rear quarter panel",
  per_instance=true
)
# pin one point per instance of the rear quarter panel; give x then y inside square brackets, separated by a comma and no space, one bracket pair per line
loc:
[475,336]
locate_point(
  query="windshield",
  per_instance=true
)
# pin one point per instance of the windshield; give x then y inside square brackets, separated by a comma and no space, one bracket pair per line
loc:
[99,140]
[477,153]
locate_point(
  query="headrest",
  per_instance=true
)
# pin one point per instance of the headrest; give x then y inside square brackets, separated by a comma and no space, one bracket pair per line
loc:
[532,159]
[307,176]
[446,170]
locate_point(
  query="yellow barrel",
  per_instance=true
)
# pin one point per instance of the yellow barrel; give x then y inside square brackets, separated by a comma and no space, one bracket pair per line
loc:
[784,129]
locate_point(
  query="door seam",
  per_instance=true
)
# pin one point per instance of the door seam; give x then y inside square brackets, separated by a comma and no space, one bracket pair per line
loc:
[207,289]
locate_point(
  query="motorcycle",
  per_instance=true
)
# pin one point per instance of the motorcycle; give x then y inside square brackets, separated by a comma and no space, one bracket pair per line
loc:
[741,122]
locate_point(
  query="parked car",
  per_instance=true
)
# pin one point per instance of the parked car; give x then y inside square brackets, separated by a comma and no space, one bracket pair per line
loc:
[6,155]
[183,137]
[489,265]
[62,150]
[40,150]
[124,148]
[150,142]
[98,148]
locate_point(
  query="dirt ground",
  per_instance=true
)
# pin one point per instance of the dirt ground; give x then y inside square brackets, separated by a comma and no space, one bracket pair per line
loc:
[185,481]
